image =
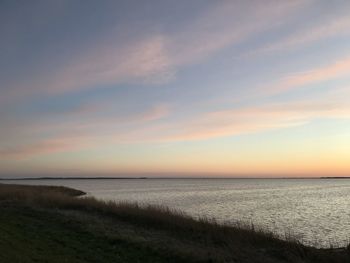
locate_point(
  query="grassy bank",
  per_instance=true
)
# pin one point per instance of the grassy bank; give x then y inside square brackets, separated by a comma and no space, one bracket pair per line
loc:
[49,224]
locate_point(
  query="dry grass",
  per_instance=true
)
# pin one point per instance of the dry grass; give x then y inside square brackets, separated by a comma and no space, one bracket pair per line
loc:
[234,243]
[22,192]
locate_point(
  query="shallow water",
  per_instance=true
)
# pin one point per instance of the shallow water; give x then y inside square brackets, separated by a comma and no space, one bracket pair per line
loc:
[315,211]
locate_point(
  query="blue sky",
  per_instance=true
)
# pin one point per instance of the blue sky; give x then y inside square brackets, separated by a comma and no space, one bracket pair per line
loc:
[219,88]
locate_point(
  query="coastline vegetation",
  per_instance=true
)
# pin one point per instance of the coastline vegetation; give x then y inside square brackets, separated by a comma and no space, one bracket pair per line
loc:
[60,224]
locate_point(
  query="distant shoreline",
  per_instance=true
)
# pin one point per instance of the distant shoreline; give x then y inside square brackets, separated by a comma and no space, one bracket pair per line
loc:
[143,177]
[72,178]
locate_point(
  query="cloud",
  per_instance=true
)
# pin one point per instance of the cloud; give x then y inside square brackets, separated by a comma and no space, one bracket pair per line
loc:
[237,121]
[258,119]
[145,61]
[80,128]
[103,113]
[152,58]
[335,27]
[155,113]
[337,69]
[39,148]
[210,125]
[226,24]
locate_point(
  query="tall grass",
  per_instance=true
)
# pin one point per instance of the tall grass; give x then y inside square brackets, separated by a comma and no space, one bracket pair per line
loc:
[21,192]
[58,197]
[234,239]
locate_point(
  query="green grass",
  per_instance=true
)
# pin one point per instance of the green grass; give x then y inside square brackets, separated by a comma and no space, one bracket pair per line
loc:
[49,224]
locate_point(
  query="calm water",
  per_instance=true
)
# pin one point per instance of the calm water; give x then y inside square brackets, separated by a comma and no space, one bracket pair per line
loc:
[316,211]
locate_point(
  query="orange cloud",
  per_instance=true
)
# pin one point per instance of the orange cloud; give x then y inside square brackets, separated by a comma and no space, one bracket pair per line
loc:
[81,131]
[205,126]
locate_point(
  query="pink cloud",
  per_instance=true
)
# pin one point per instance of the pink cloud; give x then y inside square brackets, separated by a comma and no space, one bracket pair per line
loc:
[80,129]
[252,120]
[41,147]
[337,69]
[155,113]
[154,59]
[237,121]
[146,60]
[327,29]
[206,126]
[225,25]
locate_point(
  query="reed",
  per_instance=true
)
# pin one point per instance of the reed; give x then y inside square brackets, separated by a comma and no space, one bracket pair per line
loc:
[225,242]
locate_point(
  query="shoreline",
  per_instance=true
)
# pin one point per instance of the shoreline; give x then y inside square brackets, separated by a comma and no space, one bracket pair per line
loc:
[162,234]
[166,178]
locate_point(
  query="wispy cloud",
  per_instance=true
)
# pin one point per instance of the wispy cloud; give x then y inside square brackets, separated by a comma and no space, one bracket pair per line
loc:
[39,148]
[337,69]
[201,127]
[154,58]
[226,25]
[155,113]
[81,129]
[238,121]
[258,119]
[146,60]
[335,27]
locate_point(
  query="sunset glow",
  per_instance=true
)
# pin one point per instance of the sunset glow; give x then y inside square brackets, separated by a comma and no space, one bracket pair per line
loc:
[175,88]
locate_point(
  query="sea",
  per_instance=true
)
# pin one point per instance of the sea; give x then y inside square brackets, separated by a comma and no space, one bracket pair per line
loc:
[314,211]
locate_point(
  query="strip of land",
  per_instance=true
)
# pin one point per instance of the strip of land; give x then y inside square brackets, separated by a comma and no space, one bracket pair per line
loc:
[59,224]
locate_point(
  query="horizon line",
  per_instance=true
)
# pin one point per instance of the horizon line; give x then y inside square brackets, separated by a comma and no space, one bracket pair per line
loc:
[162,177]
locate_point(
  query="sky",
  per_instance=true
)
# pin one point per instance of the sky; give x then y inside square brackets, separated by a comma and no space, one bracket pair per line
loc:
[175,88]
